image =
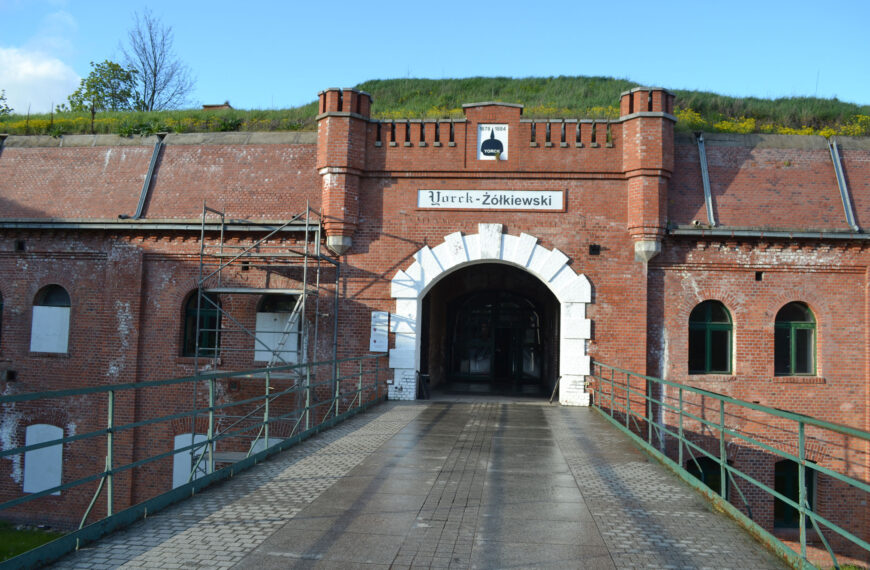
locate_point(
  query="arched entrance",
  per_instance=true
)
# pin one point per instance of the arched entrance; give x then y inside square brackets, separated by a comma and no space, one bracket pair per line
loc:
[571,291]
[491,329]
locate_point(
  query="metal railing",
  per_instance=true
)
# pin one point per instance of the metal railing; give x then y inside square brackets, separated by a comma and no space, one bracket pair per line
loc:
[317,396]
[755,451]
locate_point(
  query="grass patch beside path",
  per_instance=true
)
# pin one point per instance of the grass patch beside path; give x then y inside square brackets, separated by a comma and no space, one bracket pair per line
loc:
[15,539]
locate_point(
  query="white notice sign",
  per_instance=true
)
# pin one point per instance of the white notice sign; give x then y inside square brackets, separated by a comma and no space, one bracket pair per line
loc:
[378,342]
[547,200]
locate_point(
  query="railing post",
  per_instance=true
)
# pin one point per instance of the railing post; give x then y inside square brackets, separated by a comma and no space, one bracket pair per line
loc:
[802,487]
[680,440]
[723,472]
[377,377]
[336,390]
[612,395]
[210,450]
[627,399]
[110,459]
[266,411]
[308,397]
[359,384]
[649,411]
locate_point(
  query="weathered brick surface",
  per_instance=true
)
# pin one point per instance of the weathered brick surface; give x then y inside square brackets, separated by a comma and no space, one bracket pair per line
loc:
[631,180]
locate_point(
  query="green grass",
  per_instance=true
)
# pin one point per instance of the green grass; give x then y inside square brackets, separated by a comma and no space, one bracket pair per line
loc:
[14,541]
[543,97]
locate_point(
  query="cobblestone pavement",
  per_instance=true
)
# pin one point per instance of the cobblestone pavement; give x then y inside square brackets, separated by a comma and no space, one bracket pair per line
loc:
[484,484]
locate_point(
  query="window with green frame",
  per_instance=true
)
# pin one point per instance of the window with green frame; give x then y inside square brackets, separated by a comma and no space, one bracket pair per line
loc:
[209,326]
[710,339]
[794,346]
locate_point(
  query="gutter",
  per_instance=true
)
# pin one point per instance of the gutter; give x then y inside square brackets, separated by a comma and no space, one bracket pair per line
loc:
[149,225]
[788,234]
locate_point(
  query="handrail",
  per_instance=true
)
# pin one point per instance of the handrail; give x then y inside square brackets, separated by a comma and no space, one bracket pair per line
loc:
[358,387]
[681,424]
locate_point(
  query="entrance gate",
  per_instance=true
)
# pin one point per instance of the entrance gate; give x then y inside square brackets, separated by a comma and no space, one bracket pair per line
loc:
[495,344]
[490,245]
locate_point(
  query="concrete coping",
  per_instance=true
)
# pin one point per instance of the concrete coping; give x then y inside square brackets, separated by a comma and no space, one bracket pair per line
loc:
[762,140]
[493,104]
[228,138]
[634,89]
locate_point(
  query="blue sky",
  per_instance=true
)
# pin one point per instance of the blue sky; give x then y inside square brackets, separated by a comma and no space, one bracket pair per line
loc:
[280,54]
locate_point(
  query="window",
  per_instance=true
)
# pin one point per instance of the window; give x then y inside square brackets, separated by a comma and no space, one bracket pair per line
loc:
[43,466]
[710,339]
[1,317]
[209,326]
[794,343]
[277,338]
[50,326]
[190,460]
[709,472]
[786,483]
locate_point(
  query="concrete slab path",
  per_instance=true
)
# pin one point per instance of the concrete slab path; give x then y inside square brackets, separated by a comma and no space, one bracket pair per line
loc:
[480,484]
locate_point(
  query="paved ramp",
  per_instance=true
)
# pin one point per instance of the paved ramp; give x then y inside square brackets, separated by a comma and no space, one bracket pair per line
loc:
[444,484]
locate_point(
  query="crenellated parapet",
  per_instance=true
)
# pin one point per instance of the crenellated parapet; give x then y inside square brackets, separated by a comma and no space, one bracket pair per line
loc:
[341,158]
[648,162]
[494,139]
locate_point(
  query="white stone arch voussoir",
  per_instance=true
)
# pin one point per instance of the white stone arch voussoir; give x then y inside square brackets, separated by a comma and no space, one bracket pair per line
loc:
[573,292]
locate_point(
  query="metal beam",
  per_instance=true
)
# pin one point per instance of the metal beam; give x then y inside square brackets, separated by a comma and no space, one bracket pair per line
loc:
[147,184]
[705,179]
[841,183]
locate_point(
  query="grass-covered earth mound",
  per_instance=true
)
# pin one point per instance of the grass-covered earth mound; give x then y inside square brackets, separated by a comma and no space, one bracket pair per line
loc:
[543,97]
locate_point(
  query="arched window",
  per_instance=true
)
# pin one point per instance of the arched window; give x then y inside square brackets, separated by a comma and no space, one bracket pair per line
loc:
[710,339]
[786,481]
[709,472]
[794,343]
[278,335]
[209,326]
[49,331]
[43,466]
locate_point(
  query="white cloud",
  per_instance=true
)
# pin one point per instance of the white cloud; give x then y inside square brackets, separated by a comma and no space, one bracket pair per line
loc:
[31,78]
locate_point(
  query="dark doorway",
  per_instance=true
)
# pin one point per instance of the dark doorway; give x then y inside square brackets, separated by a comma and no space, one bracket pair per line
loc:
[490,329]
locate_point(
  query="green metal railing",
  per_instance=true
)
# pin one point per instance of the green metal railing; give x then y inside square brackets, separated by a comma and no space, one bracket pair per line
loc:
[686,427]
[301,406]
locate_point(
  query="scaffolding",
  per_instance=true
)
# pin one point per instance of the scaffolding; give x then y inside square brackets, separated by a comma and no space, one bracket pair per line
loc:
[285,274]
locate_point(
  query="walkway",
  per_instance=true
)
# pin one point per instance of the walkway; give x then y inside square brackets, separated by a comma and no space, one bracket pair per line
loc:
[444,484]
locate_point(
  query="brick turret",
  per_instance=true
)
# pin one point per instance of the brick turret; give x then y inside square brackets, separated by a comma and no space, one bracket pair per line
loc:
[648,161]
[341,128]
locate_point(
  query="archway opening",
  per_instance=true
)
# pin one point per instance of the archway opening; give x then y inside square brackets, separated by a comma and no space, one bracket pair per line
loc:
[490,328]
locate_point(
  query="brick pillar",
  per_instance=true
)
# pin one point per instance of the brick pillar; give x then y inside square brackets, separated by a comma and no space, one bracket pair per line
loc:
[341,147]
[648,160]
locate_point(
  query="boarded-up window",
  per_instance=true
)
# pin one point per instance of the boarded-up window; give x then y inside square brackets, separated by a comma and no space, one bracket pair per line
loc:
[277,337]
[42,467]
[186,461]
[49,330]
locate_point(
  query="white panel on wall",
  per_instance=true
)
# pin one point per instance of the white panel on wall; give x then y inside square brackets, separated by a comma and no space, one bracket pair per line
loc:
[50,329]
[378,341]
[270,330]
[182,463]
[43,467]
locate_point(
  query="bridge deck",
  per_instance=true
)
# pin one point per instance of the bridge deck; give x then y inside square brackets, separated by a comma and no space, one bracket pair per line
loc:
[444,484]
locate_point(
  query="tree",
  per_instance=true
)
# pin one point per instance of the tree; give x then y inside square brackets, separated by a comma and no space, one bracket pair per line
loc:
[108,87]
[162,81]
[4,108]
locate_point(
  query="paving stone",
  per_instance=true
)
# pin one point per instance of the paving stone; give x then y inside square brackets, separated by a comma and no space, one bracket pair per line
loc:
[444,485]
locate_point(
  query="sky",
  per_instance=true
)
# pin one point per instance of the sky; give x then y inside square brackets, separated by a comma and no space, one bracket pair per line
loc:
[273,55]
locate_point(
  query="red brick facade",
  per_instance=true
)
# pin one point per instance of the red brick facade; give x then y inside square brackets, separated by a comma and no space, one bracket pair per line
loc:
[634,226]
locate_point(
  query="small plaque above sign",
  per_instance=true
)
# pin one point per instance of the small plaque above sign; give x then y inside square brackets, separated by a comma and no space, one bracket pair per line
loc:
[492,142]
[547,200]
